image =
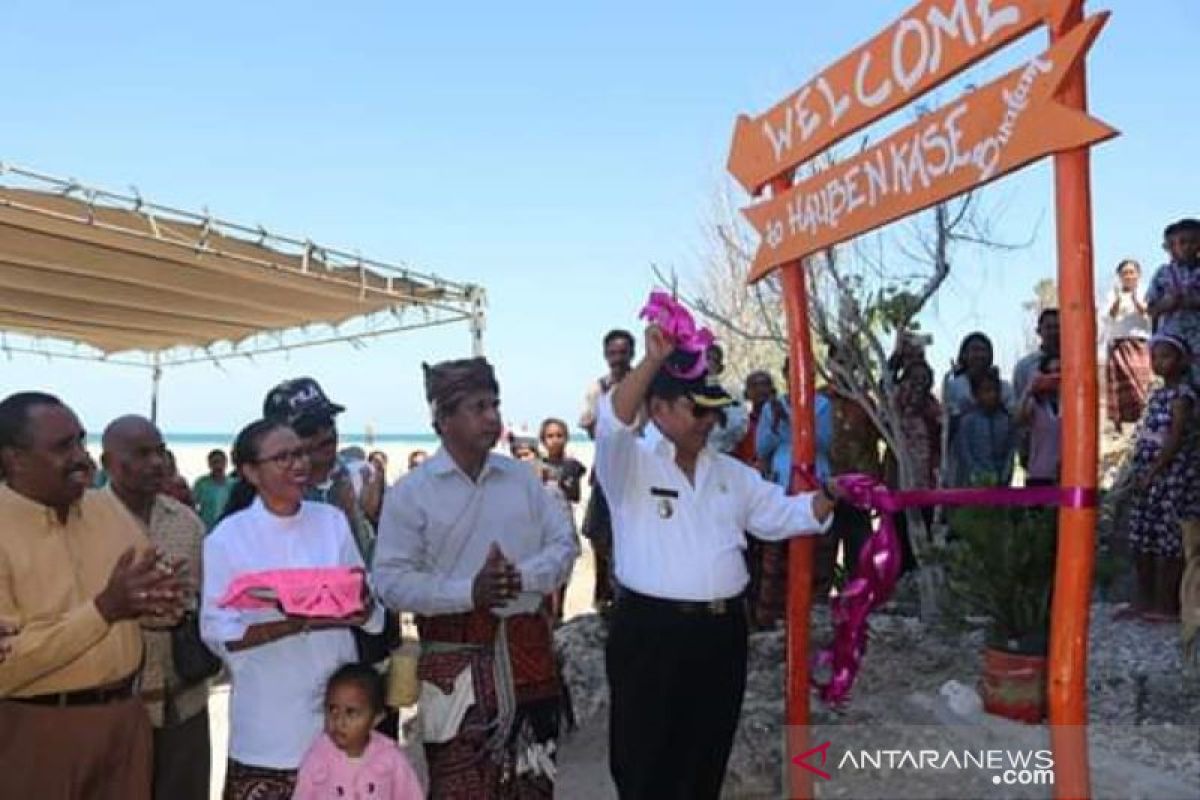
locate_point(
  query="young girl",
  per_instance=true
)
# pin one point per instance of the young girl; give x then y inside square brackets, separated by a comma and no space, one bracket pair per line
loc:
[1165,463]
[563,475]
[1039,414]
[985,441]
[350,761]
[558,467]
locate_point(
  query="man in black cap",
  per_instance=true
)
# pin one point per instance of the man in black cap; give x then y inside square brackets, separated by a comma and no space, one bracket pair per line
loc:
[676,653]
[302,404]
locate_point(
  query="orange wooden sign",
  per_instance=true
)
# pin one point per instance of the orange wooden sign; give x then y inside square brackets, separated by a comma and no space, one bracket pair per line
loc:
[976,139]
[931,43]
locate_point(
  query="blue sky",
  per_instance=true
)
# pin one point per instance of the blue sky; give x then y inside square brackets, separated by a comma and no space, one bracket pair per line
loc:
[550,151]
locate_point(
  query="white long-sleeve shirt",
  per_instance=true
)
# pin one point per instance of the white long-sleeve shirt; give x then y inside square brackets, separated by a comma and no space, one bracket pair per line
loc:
[683,541]
[437,526]
[275,708]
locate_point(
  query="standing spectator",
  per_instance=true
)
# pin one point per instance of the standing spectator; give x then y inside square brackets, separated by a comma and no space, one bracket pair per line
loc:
[986,439]
[565,475]
[134,457]
[1040,414]
[278,663]
[211,491]
[301,404]
[855,448]
[558,467]
[1174,296]
[1027,369]
[597,521]
[921,425]
[416,458]
[731,424]
[1165,461]
[76,573]
[474,545]
[975,359]
[773,435]
[1128,364]
[175,485]
[758,392]
[375,483]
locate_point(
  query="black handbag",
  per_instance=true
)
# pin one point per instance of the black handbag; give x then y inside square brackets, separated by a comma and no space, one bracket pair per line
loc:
[194,662]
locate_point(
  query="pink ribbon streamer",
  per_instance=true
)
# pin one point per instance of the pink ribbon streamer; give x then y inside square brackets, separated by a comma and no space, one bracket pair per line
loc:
[676,321]
[878,567]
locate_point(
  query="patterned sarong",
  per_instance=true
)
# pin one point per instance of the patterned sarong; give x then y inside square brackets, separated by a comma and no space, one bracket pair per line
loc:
[1128,379]
[477,763]
[246,782]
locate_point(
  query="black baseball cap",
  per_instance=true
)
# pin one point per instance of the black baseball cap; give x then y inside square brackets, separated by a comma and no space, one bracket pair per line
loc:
[299,400]
[704,390]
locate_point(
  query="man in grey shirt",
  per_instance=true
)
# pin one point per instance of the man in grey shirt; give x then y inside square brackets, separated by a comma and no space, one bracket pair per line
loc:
[474,545]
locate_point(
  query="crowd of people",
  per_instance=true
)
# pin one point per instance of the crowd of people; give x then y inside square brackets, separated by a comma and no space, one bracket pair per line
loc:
[113,622]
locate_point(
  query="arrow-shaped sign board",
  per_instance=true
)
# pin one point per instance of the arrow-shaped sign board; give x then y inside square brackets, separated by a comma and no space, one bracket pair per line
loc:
[931,43]
[982,136]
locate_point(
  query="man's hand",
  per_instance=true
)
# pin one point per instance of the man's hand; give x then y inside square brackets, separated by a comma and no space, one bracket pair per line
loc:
[497,582]
[7,631]
[139,586]
[658,344]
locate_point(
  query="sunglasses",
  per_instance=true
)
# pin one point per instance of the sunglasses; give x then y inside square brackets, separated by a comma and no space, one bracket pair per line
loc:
[285,458]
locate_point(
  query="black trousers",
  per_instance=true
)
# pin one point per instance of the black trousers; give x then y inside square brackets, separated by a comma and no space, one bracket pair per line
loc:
[676,680]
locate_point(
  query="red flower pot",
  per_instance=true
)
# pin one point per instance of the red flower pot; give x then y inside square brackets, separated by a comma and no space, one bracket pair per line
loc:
[1014,686]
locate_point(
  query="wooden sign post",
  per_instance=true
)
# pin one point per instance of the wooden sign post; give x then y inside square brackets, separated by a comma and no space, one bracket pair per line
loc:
[1034,111]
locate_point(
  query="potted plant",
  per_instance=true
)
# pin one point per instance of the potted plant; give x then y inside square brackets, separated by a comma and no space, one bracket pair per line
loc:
[1001,565]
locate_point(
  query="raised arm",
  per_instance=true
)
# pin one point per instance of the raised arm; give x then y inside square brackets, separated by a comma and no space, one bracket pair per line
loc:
[630,394]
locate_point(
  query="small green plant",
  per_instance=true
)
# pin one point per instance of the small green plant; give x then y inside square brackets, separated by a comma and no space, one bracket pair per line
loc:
[1001,564]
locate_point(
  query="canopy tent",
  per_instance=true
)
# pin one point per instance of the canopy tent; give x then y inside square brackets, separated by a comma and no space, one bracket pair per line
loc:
[86,273]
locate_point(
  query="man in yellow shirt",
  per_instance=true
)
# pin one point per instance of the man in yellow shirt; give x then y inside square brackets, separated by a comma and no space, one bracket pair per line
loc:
[76,574]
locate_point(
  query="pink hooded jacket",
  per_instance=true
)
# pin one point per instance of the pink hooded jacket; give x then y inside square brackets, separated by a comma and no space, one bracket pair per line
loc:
[383,773]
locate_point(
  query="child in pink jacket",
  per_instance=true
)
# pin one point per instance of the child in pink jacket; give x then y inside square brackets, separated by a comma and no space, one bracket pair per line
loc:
[350,761]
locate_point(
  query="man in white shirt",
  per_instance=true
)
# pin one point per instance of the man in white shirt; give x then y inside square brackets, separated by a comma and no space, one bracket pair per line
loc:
[475,546]
[619,348]
[676,653]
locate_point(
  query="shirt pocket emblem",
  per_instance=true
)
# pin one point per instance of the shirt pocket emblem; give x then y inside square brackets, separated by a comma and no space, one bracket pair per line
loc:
[666,509]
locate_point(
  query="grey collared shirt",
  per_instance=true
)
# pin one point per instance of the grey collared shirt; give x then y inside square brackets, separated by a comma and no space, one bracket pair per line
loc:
[437,526]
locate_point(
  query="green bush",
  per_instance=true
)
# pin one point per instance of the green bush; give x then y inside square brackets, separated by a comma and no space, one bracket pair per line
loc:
[1001,564]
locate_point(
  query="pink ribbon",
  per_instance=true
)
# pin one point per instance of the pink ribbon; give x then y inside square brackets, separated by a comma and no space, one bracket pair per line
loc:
[878,566]
[676,321]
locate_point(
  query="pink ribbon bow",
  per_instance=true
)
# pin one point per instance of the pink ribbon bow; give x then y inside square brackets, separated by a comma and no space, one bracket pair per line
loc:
[676,322]
[878,566]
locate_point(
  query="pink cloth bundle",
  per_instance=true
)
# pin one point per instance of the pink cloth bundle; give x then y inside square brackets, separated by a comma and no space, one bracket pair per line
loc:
[676,321]
[317,592]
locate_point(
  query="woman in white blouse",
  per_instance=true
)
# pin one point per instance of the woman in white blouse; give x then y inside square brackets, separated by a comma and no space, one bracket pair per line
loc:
[278,663]
[1128,373]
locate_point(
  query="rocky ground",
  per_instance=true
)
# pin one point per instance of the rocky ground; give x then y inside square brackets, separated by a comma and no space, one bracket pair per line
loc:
[1144,713]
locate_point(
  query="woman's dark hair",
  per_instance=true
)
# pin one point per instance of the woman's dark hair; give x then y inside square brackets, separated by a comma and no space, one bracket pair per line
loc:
[364,677]
[990,377]
[546,423]
[245,452]
[960,365]
[1124,261]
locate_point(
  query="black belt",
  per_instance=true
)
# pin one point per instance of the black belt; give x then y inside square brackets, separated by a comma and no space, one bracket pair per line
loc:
[712,608]
[122,690]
